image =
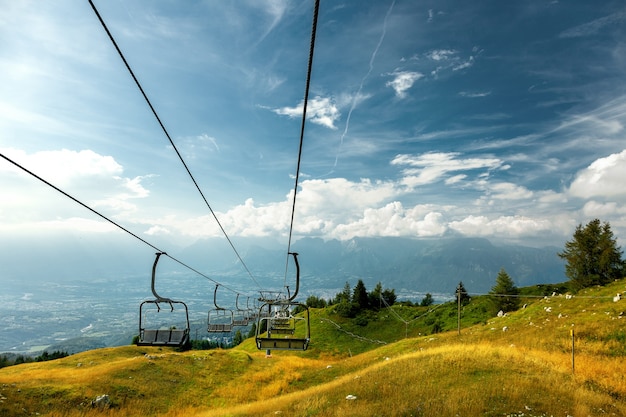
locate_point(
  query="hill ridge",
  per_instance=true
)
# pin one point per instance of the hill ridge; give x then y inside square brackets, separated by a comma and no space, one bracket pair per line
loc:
[483,371]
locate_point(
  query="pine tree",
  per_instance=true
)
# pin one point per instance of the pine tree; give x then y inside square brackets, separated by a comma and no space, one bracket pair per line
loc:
[389,295]
[593,257]
[504,293]
[375,301]
[359,295]
[427,300]
[238,338]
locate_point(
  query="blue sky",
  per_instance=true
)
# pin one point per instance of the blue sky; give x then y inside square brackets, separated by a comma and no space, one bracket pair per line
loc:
[502,120]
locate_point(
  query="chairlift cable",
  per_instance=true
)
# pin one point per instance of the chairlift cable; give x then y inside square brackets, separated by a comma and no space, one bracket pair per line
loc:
[114,223]
[143,93]
[304,108]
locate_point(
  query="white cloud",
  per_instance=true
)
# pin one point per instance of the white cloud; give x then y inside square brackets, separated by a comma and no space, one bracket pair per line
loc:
[157,230]
[197,146]
[431,167]
[604,177]
[478,95]
[91,178]
[509,191]
[595,209]
[402,81]
[594,26]
[441,54]
[320,110]
[64,166]
[455,179]
[502,227]
[464,65]
[392,220]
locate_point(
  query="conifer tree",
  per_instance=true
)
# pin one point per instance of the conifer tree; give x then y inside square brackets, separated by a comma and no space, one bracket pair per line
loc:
[505,293]
[359,296]
[427,300]
[375,301]
[592,256]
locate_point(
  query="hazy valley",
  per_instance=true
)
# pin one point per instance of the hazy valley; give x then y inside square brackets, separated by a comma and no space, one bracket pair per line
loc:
[62,293]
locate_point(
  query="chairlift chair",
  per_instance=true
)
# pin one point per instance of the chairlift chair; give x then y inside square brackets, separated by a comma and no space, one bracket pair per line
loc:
[161,336]
[251,313]
[219,320]
[284,331]
[241,316]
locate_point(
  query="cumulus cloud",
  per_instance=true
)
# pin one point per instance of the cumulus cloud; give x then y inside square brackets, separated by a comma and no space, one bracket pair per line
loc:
[402,81]
[94,179]
[604,177]
[392,220]
[597,209]
[157,230]
[61,167]
[503,226]
[320,110]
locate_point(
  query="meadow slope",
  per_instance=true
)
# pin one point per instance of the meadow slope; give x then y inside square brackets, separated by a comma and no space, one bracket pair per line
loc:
[519,364]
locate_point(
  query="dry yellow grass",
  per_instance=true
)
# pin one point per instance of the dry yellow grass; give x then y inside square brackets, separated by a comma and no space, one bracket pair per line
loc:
[485,371]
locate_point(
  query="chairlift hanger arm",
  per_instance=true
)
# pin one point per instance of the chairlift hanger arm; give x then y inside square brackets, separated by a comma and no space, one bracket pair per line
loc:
[295,259]
[158,297]
[215,298]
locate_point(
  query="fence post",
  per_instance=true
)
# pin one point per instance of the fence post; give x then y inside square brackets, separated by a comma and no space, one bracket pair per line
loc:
[571,332]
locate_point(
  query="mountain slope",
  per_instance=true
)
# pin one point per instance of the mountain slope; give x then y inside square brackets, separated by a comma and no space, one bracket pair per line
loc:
[484,371]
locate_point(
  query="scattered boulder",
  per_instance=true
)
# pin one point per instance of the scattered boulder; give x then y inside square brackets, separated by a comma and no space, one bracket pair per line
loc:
[101,401]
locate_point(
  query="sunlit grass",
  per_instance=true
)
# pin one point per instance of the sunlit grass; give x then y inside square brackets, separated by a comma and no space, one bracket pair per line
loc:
[526,370]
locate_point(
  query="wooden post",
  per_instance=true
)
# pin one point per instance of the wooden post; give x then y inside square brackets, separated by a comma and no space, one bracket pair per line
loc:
[571,332]
[458,298]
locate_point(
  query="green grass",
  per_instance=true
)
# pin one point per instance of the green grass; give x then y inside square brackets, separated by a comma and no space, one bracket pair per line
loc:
[483,371]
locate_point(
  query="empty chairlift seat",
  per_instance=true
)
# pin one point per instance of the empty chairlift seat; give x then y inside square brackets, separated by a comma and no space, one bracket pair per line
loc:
[156,333]
[278,327]
[219,320]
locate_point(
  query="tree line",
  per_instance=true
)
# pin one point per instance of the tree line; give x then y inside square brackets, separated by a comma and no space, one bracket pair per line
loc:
[592,258]
[11,359]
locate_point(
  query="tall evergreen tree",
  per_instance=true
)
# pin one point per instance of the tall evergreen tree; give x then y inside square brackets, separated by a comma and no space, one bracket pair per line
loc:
[359,295]
[374,297]
[505,293]
[389,296]
[592,256]
[427,300]
[344,296]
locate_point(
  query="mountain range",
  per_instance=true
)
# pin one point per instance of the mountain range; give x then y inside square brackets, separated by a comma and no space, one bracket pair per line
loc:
[413,265]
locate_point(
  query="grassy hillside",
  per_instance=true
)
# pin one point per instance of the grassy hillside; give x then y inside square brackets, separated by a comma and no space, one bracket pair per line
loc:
[381,360]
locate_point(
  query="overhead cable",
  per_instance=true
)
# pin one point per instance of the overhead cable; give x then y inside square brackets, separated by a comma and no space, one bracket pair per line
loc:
[110,221]
[304,108]
[145,96]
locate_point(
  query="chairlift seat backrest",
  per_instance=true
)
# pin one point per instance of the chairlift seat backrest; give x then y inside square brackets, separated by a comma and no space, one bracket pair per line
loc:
[163,337]
[220,327]
[282,344]
[240,322]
